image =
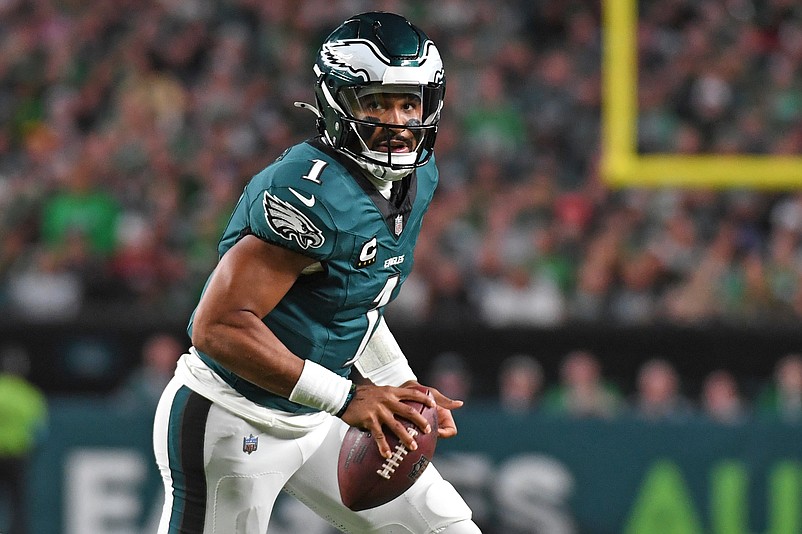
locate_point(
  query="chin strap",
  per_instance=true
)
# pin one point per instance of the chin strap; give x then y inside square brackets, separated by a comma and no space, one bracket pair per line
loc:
[382,173]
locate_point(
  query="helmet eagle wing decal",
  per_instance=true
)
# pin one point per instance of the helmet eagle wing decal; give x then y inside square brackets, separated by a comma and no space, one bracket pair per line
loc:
[289,223]
[363,60]
[349,55]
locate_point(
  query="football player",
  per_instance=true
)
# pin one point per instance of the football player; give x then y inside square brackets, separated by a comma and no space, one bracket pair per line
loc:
[318,244]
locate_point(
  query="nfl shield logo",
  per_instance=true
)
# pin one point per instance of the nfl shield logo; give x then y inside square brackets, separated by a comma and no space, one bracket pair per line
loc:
[418,467]
[250,443]
[399,224]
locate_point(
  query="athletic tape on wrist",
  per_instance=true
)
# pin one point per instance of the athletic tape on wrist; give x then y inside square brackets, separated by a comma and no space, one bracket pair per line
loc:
[393,374]
[383,361]
[317,387]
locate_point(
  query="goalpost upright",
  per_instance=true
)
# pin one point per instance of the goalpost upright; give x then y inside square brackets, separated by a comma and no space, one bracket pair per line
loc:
[623,166]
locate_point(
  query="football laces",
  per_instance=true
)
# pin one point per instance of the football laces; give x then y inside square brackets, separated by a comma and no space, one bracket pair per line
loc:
[400,452]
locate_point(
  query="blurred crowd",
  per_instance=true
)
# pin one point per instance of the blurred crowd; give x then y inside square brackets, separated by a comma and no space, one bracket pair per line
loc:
[580,386]
[582,389]
[128,129]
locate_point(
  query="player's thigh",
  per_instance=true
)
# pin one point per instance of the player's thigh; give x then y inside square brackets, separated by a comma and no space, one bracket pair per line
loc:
[221,473]
[428,506]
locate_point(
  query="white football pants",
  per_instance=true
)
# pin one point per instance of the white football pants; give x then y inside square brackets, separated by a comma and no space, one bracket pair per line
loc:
[223,474]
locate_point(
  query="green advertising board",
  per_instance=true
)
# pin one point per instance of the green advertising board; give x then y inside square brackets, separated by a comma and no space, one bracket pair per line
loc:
[635,477]
[521,474]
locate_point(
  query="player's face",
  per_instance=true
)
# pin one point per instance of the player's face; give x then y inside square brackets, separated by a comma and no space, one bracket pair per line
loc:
[403,109]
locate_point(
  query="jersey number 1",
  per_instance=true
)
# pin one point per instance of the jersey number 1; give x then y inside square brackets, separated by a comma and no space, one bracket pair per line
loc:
[317,169]
[379,302]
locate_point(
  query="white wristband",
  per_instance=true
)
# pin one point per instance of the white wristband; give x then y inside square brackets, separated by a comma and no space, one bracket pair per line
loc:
[320,388]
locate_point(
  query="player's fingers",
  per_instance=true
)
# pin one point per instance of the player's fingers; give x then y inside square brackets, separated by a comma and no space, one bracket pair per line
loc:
[406,433]
[412,415]
[446,427]
[381,442]
[416,395]
[445,402]
[446,432]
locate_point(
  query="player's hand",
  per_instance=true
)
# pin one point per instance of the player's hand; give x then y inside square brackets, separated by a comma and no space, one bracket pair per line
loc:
[447,428]
[374,408]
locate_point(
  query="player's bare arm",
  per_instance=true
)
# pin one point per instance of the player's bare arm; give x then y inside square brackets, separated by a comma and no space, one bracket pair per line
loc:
[250,280]
[247,284]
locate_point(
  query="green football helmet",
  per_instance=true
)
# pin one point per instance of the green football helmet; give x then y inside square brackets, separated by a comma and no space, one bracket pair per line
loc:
[366,63]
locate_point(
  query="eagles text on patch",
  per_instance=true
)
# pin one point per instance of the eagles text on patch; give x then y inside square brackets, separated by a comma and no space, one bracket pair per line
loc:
[395,260]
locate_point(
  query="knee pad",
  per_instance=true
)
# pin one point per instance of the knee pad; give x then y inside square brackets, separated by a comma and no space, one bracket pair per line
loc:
[431,505]
[443,504]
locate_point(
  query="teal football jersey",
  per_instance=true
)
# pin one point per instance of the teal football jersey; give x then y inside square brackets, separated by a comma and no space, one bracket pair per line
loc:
[317,202]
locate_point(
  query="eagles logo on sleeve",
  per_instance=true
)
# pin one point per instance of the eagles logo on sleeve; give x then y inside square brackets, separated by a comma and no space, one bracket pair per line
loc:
[285,219]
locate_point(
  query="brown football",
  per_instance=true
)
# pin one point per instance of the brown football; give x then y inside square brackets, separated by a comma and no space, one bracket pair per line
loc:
[366,479]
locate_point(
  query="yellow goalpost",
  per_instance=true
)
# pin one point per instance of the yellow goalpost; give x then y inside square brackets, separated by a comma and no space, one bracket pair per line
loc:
[622,166]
